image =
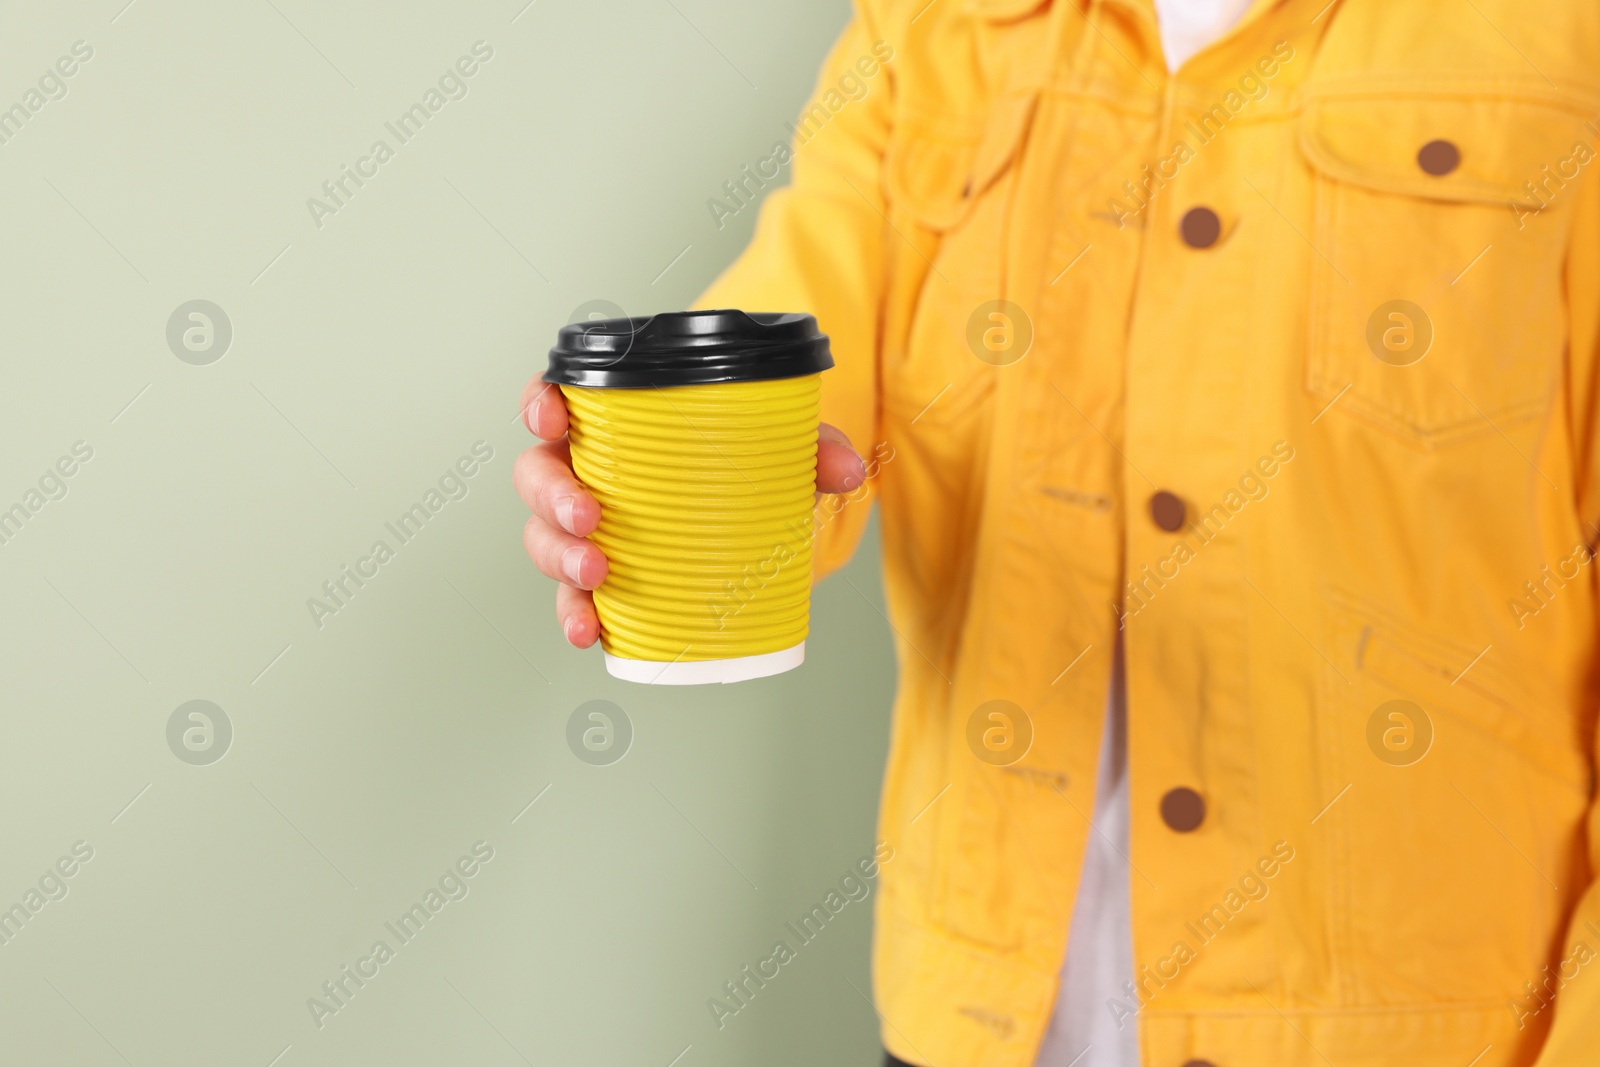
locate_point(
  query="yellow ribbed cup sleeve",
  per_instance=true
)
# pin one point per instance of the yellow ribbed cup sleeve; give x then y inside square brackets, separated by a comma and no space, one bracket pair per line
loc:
[705,496]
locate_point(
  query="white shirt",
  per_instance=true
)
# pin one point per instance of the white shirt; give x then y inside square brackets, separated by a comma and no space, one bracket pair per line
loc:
[1084,1031]
[1189,25]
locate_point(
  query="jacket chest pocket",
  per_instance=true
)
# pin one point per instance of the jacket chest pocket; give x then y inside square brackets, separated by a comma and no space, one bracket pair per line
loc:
[1436,307]
[947,185]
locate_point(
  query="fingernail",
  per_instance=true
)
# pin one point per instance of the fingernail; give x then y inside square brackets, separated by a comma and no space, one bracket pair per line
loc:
[566,630]
[572,564]
[533,417]
[564,512]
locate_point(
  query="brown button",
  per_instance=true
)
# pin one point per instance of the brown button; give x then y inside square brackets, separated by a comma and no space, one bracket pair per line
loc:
[1438,158]
[1200,227]
[1183,809]
[1198,1063]
[1167,511]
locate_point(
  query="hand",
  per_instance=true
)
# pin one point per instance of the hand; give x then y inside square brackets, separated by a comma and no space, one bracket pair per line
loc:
[564,513]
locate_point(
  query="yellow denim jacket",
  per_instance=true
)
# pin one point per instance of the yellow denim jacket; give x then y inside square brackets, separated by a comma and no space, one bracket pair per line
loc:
[1284,368]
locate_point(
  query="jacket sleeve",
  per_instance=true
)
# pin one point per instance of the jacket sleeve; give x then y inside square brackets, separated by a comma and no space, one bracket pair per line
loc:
[1575,1034]
[818,248]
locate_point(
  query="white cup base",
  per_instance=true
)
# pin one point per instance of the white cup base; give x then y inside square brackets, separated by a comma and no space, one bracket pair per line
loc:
[705,671]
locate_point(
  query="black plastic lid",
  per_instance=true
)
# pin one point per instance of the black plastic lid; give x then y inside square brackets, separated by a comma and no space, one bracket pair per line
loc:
[688,348]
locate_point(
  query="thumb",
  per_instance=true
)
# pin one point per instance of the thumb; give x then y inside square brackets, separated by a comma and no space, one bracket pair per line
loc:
[839,467]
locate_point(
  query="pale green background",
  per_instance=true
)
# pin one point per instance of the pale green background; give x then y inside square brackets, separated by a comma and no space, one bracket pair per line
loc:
[371,754]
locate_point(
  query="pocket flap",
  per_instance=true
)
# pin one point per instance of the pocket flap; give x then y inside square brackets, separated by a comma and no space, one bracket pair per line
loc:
[937,170]
[1502,144]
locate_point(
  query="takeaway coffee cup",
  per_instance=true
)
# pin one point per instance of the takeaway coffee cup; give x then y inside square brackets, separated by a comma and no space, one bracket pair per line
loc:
[697,433]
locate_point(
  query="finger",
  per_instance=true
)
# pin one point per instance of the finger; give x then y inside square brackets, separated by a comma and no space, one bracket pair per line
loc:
[544,409]
[839,468]
[575,610]
[545,482]
[561,556]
